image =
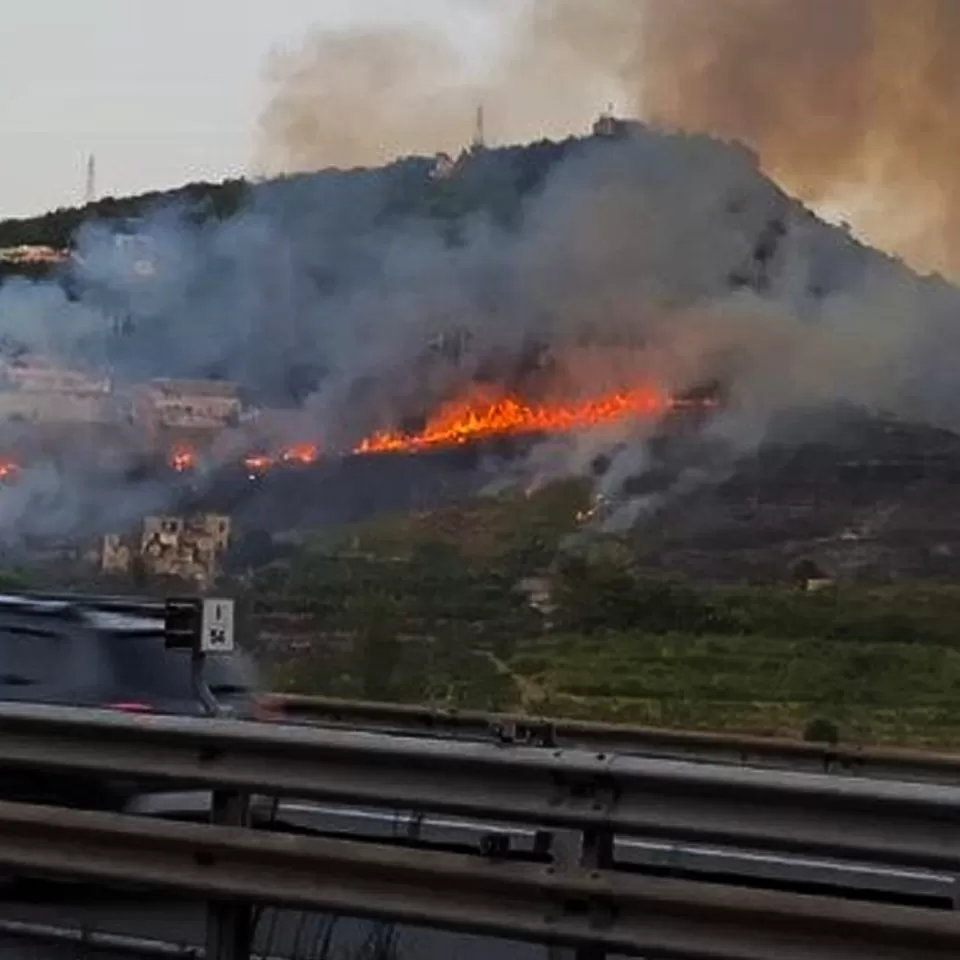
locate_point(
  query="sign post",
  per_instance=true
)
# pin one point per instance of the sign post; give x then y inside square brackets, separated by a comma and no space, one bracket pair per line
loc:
[201,625]
[216,625]
[204,625]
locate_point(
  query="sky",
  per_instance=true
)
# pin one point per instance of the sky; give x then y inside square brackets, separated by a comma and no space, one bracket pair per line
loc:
[162,93]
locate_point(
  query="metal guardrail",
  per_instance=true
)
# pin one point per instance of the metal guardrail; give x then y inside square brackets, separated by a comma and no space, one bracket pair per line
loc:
[581,899]
[598,908]
[892,823]
[778,752]
[100,941]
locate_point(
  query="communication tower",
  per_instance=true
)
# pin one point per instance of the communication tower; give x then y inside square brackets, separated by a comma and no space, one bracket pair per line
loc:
[91,190]
[479,137]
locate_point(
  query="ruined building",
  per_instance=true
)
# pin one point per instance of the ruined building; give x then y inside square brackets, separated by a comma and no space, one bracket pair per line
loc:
[163,405]
[189,548]
[36,390]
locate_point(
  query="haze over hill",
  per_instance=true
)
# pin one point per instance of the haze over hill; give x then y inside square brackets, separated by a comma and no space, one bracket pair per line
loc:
[637,259]
[849,103]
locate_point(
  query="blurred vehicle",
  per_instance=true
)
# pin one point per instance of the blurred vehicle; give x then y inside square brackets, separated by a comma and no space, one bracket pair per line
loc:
[110,653]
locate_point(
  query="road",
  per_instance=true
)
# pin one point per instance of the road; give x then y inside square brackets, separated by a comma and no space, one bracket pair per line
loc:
[296,935]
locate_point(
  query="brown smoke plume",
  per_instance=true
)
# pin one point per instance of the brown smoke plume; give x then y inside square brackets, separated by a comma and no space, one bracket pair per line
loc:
[850,103]
[360,97]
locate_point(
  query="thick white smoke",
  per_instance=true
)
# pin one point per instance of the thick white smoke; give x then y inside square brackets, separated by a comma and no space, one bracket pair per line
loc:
[322,291]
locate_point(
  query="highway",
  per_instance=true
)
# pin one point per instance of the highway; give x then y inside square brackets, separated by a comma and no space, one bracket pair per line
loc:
[296,934]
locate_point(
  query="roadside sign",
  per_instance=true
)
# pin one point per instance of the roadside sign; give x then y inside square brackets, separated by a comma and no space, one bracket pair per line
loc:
[216,626]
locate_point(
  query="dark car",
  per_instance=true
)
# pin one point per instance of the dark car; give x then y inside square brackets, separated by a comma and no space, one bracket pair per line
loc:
[110,653]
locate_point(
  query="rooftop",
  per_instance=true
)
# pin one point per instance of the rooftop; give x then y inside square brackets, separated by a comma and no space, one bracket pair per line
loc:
[212,388]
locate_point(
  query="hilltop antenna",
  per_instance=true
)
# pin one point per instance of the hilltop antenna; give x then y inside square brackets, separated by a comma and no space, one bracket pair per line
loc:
[479,139]
[91,192]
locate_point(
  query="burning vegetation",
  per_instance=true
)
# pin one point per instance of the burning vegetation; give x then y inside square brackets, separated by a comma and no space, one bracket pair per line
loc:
[571,292]
[466,421]
[485,415]
[480,419]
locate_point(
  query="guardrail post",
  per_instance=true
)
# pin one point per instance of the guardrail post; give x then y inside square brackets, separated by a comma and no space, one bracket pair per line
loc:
[591,850]
[229,924]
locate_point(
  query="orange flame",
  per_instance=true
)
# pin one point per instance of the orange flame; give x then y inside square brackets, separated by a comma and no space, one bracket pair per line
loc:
[182,459]
[302,453]
[465,421]
[468,420]
[257,464]
[9,471]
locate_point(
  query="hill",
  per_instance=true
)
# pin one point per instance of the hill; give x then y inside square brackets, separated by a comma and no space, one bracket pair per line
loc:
[495,182]
[366,300]
[485,605]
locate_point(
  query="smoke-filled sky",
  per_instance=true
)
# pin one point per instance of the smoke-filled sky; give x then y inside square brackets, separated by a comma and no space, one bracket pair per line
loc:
[849,102]
[674,244]
[162,93]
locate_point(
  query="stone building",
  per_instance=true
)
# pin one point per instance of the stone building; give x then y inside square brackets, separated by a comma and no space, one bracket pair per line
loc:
[189,548]
[187,404]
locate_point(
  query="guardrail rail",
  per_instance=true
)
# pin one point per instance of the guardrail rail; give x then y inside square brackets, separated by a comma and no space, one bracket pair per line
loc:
[581,898]
[815,757]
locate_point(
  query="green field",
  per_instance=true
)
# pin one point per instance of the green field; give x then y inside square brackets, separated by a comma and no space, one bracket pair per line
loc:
[427,609]
[873,692]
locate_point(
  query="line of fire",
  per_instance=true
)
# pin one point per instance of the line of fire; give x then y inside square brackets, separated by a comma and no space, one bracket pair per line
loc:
[52,414]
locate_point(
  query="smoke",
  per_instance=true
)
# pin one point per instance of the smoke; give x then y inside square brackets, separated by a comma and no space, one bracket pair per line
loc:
[849,103]
[362,97]
[652,259]
[673,251]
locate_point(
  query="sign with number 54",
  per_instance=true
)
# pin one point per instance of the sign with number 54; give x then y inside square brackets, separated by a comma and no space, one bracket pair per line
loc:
[216,626]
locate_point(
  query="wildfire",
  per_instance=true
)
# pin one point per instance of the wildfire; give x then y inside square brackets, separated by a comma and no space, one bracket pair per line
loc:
[303,453]
[9,471]
[468,420]
[183,459]
[257,464]
[464,421]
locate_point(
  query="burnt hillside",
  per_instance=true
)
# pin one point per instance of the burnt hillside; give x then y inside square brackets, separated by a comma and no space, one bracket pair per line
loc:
[864,498]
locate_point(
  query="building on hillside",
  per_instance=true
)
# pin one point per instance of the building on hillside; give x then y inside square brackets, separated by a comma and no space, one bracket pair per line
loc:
[607,125]
[444,167]
[116,555]
[50,408]
[539,595]
[37,390]
[32,253]
[38,374]
[189,548]
[188,404]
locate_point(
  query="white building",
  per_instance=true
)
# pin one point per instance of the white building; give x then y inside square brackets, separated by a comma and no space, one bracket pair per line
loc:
[188,404]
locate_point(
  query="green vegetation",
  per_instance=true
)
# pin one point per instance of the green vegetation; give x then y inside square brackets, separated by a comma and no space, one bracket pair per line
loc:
[430,608]
[437,606]
[493,181]
[869,691]
[57,228]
